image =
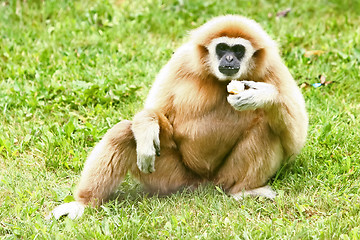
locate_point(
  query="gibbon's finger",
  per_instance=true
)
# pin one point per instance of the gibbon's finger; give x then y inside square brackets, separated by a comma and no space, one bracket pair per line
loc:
[151,168]
[157,148]
[243,101]
[259,85]
[146,162]
[246,96]
[250,84]
[233,98]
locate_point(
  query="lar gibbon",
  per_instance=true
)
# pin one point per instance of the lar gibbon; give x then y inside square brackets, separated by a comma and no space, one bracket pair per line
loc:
[193,131]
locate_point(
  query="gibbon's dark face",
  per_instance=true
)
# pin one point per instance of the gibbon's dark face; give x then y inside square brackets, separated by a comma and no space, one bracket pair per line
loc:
[229,58]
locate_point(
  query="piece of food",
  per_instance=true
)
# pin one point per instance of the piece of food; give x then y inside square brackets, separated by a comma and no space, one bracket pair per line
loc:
[235,87]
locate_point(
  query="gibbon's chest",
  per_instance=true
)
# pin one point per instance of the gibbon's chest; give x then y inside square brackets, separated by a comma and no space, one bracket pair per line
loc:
[202,110]
[206,127]
[205,141]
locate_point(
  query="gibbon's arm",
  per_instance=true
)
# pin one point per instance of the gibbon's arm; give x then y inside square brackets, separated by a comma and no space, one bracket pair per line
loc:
[146,131]
[284,106]
[146,123]
[288,118]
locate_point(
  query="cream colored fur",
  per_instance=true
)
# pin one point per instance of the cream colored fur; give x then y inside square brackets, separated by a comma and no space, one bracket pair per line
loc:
[202,134]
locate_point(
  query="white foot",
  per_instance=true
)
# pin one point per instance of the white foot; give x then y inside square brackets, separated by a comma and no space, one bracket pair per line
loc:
[72,209]
[265,191]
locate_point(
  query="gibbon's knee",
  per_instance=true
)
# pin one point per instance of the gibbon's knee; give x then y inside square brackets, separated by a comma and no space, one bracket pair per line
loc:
[107,165]
[170,175]
[150,128]
[253,161]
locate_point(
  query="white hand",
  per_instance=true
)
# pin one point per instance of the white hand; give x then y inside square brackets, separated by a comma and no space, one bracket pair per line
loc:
[257,95]
[146,154]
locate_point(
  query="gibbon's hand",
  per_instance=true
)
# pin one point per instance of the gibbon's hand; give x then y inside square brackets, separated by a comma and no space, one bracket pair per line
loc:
[256,95]
[146,155]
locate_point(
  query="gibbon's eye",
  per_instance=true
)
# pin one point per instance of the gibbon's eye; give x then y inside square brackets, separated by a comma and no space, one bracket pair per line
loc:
[221,49]
[239,50]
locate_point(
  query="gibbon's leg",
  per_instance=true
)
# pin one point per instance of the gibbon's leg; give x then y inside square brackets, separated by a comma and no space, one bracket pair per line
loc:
[253,161]
[113,156]
[170,175]
[103,171]
[107,165]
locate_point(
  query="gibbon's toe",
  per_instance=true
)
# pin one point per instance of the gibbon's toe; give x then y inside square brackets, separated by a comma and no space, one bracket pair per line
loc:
[72,209]
[265,191]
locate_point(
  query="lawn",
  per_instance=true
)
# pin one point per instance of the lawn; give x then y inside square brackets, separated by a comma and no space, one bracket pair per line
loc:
[69,70]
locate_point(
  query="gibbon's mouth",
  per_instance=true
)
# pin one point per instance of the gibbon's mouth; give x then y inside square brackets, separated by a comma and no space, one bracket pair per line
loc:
[229,71]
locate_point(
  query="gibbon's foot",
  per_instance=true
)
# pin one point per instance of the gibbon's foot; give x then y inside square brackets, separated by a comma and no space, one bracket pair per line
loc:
[265,191]
[72,209]
[256,95]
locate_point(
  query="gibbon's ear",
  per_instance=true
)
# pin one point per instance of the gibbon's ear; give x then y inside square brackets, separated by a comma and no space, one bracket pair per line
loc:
[259,57]
[203,53]
[263,59]
[258,53]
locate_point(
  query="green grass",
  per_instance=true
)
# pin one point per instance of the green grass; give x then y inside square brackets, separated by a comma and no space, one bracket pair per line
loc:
[69,70]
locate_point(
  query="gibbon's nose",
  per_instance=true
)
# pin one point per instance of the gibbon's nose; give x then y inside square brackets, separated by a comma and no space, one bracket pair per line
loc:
[229,58]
